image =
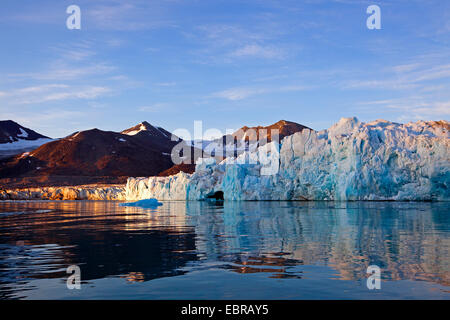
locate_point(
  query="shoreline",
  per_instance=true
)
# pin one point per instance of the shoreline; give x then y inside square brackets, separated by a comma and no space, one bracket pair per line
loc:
[118,193]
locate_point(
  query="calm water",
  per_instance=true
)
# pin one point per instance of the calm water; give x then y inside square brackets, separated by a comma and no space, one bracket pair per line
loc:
[233,250]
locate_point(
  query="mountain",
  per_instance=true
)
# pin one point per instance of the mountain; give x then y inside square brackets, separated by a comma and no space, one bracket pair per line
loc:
[157,136]
[149,130]
[11,132]
[15,139]
[188,168]
[285,128]
[247,138]
[93,156]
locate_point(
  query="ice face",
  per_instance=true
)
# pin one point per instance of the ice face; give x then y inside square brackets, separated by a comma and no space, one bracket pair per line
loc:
[162,188]
[379,160]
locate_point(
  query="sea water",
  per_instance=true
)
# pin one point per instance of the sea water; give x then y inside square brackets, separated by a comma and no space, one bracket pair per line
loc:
[224,250]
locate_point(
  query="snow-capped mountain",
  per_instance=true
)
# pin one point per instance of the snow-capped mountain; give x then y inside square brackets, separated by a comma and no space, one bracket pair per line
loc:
[146,128]
[11,132]
[15,139]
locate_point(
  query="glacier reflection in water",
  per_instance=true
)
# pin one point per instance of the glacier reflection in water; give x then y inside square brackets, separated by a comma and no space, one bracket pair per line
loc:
[224,250]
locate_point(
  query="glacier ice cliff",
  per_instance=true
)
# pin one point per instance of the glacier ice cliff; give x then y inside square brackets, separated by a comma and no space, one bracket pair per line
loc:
[351,160]
[89,192]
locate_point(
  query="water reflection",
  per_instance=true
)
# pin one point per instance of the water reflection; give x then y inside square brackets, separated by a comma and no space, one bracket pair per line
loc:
[407,240]
[100,237]
[38,240]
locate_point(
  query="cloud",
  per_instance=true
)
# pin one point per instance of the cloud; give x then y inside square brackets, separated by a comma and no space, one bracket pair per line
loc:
[53,92]
[412,107]
[228,34]
[76,93]
[224,43]
[240,93]
[44,119]
[258,51]
[37,89]
[422,109]
[63,71]
[156,107]
[75,51]
[433,73]
[391,84]
[130,16]
[115,42]
[401,77]
[165,84]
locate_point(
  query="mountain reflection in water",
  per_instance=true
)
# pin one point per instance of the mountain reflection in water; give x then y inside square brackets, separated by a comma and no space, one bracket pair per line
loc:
[277,240]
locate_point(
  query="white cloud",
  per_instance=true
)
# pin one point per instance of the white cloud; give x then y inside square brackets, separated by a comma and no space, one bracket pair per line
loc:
[76,93]
[37,89]
[240,93]
[130,16]
[412,107]
[391,84]
[63,71]
[44,120]
[53,92]
[74,51]
[224,43]
[166,84]
[154,107]
[401,77]
[258,51]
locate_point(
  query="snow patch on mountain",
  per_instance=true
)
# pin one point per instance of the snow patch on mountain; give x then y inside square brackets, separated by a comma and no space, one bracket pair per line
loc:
[135,132]
[22,134]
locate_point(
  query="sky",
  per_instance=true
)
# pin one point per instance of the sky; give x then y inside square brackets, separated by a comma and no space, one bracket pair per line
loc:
[227,63]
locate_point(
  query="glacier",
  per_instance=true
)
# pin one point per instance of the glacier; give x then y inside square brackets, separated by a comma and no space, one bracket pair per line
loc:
[352,160]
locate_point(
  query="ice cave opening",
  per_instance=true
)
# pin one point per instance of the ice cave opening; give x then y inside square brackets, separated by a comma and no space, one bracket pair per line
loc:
[218,195]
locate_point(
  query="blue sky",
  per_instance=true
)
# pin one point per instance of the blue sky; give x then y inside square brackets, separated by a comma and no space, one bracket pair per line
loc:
[227,63]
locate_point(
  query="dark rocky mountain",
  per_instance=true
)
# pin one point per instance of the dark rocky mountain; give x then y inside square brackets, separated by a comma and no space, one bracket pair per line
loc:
[284,128]
[188,168]
[11,131]
[242,139]
[92,156]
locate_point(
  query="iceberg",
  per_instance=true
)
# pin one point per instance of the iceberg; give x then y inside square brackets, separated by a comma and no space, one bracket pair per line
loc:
[144,203]
[352,160]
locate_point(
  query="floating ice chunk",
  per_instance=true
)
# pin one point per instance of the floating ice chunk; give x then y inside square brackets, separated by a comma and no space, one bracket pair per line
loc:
[145,203]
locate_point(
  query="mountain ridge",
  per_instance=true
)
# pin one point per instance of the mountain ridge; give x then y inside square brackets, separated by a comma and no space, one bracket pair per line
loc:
[98,156]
